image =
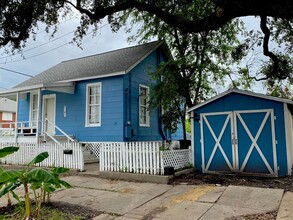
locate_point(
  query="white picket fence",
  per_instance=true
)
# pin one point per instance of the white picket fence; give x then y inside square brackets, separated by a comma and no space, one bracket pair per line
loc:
[140,157]
[57,158]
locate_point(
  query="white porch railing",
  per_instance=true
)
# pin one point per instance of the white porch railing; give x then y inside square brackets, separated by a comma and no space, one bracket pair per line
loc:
[140,157]
[29,129]
[57,156]
[48,122]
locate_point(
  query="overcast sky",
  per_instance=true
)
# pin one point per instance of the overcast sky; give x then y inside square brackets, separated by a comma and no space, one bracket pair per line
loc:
[45,52]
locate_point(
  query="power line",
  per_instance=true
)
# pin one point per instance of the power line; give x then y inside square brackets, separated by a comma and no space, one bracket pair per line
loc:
[13,71]
[37,46]
[14,61]
[36,55]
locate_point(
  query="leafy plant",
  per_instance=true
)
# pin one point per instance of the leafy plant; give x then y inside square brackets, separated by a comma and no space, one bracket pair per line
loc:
[3,153]
[41,181]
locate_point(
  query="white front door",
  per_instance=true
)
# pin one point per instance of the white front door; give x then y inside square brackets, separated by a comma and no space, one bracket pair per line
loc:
[49,104]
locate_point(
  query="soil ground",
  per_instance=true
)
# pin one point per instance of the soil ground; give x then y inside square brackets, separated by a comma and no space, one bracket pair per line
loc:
[285,183]
[196,178]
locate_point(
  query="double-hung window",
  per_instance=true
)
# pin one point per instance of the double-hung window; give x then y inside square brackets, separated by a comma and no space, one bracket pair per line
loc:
[93,104]
[144,114]
[7,116]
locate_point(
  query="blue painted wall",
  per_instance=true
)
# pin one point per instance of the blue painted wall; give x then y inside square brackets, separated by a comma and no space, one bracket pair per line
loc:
[120,104]
[24,107]
[111,128]
[141,75]
[234,102]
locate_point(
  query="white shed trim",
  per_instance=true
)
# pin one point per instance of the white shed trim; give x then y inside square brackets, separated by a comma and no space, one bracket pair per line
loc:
[238,91]
[289,137]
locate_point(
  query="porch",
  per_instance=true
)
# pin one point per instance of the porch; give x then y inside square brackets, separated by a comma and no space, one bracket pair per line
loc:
[33,132]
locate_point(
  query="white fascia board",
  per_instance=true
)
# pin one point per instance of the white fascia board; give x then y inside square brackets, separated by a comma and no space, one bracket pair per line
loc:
[61,87]
[248,93]
[35,87]
[93,77]
[20,89]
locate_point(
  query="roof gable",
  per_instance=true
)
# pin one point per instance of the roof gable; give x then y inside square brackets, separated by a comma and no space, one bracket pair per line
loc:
[7,105]
[111,63]
[238,91]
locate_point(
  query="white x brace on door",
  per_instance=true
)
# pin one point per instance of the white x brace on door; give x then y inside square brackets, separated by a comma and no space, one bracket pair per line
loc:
[239,141]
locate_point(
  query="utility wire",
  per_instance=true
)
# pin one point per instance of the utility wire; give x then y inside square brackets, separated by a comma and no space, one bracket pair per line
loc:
[13,71]
[36,55]
[37,46]
[14,61]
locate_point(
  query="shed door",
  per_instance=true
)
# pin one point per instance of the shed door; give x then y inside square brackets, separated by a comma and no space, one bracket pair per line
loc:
[240,141]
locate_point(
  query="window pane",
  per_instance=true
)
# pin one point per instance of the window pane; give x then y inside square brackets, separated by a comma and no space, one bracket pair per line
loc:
[7,116]
[94,99]
[143,106]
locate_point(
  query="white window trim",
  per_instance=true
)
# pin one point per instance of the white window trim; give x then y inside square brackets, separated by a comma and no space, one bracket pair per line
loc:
[147,124]
[87,124]
[31,107]
[5,116]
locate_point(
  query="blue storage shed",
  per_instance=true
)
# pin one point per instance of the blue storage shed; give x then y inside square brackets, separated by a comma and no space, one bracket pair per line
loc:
[243,132]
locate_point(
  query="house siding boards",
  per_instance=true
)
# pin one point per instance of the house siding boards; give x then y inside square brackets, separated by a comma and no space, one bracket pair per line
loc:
[140,75]
[119,94]
[119,104]
[24,106]
[111,128]
[237,102]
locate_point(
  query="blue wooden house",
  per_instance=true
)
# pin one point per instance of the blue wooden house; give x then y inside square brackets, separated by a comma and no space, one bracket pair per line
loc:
[102,97]
[243,132]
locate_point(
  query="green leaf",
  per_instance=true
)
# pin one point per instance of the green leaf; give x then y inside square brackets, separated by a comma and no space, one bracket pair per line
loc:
[8,175]
[65,184]
[10,187]
[7,150]
[15,196]
[39,158]
[40,175]
[49,188]
[59,170]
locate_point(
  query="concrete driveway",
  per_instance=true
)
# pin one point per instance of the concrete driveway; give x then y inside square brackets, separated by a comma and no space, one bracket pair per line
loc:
[131,200]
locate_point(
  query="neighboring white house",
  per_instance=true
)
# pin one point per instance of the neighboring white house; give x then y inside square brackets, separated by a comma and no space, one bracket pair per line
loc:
[7,114]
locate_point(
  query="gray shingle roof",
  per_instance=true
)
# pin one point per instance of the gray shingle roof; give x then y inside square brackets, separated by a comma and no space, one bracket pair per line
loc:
[95,65]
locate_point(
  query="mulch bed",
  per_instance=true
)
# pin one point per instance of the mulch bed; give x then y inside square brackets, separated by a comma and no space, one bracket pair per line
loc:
[196,178]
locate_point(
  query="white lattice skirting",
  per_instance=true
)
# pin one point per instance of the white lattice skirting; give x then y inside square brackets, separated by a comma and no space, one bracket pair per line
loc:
[176,158]
[141,157]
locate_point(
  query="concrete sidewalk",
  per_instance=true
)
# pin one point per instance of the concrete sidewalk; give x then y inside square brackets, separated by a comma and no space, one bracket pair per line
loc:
[131,200]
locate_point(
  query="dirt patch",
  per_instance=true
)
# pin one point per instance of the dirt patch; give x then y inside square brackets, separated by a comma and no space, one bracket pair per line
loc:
[196,178]
[64,210]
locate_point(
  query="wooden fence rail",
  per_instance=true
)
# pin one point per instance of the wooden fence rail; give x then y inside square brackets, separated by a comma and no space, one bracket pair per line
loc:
[140,157]
[57,157]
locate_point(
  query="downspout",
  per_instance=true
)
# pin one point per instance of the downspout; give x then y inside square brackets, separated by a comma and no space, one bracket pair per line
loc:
[161,132]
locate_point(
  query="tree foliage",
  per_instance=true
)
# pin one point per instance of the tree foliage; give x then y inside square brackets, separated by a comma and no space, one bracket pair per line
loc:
[20,19]
[201,61]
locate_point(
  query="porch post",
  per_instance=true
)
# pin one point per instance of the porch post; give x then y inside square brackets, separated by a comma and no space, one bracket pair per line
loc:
[38,115]
[16,117]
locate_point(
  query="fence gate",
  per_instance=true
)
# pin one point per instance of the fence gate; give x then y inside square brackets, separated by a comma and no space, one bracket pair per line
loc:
[239,141]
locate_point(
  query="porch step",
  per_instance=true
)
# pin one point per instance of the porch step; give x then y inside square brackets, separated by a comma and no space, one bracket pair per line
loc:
[60,138]
[89,156]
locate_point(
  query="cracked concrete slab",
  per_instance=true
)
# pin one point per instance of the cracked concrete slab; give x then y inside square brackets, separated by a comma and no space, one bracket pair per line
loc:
[264,199]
